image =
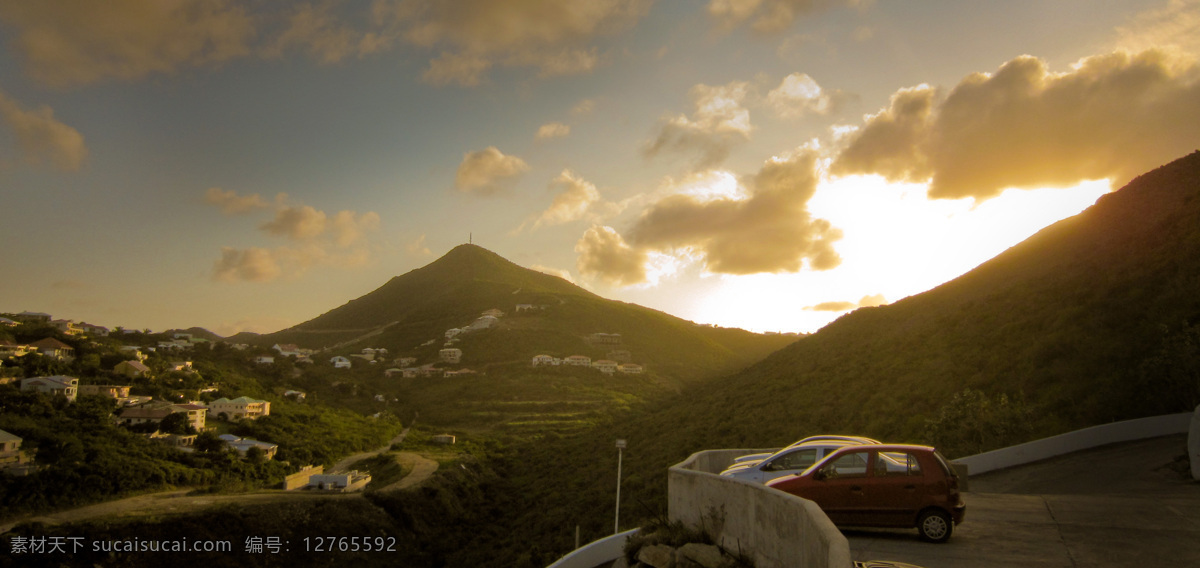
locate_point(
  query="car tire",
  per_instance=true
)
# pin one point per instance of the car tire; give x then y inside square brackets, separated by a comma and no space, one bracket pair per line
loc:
[935,525]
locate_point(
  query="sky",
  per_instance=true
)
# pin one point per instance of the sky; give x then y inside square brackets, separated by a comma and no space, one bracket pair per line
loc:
[762,164]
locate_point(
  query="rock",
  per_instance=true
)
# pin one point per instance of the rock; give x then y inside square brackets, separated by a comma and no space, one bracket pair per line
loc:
[703,555]
[657,556]
[621,562]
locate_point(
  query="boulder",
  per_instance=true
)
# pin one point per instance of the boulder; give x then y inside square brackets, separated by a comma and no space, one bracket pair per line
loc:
[657,556]
[703,555]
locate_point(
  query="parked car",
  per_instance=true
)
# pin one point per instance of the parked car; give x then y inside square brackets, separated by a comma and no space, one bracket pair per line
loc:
[820,438]
[858,485]
[788,461]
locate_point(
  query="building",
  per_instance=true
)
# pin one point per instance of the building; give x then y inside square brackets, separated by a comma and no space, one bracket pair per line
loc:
[630,368]
[240,408]
[343,482]
[264,360]
[340,362]
[11,349]
[450,355]
[66,326]
[605,339]
[13,460]
[287,349]
[132,369]
[111,391]
[296,395]
[58,384]
[541,360]
[155,412]
[94,330]
[578,360]
[34,317]
[243,445]
[51,347]
[605,366]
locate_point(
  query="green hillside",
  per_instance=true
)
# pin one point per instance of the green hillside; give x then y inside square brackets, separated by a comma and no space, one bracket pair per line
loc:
[410,314]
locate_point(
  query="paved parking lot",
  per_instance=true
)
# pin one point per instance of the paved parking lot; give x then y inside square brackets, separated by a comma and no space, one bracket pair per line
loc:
[1116,506]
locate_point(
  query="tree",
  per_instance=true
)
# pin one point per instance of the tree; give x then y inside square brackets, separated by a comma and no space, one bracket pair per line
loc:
[972,422]
[208,442]
[176,423]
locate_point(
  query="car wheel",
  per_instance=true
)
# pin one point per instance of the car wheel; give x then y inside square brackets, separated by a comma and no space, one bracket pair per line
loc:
[935,525]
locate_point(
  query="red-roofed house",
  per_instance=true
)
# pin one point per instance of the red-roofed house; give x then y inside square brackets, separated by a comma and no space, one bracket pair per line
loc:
[132,369]
[52,347]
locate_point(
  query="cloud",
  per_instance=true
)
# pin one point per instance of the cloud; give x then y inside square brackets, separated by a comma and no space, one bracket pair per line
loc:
[471,36]
[251,265]
[865,302]
[302,222]
[769,16]
[604,254]
[418,247]
[488,172]
[316,30]
[564,274]
[798,95]
[719,121]
[230,203]
[314,238]
[1111,116]
[585,106]
[41,137]
[1177,25]
[766,229]
[66,43]
[553,130]
[577,199]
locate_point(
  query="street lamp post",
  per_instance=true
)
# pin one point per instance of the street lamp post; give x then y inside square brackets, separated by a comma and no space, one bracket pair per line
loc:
[617,519]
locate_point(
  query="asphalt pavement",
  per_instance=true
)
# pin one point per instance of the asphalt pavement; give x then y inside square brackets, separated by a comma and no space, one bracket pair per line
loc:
[1125,505]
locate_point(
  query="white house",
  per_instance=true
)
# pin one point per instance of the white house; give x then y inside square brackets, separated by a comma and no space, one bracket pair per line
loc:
[605,366]
[630,368]
[264,360]
[240,407]
[57,384]
[578,360]
[544,360]
[243,445]
[287,349]
[340,362]
[450,355]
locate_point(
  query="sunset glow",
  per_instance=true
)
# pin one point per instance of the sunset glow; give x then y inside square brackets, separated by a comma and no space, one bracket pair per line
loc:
[765,167]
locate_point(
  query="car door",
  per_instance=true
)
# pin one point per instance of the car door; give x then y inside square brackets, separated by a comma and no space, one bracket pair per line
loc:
[896,490]
[839,488]
[789,463]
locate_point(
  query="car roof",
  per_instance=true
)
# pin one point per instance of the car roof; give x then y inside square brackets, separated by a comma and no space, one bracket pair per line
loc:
[860,439]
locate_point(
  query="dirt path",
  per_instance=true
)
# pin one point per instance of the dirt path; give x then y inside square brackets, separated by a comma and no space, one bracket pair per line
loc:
[168,503]
[344,465]
[422,468]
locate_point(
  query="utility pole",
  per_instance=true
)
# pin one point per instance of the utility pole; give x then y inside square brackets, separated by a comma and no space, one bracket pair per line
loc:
[617,519]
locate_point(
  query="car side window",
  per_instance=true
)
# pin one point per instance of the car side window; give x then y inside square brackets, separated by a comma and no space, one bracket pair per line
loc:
[894,464]
[849,465]
[799,459]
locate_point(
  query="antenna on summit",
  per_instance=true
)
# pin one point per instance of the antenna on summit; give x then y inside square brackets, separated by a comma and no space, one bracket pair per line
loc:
[470,239]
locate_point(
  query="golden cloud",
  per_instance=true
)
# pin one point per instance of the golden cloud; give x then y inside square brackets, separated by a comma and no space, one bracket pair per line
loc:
[865,302]
[604,254]
[719,121]
[488,172]
[798,95]
[1111,116]
[767,229]
[317,239]
[41,137]
[553,130]
[67,43]
[769,16]
[230,203]
[318,31]
[470,36]
[1176,25]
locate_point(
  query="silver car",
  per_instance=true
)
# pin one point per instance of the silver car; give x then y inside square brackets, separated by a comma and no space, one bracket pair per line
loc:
[788,461]
[822,438]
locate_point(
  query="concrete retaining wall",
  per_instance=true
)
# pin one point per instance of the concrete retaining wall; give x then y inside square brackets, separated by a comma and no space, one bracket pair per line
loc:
[596,553]
[776,529]
[1095,436]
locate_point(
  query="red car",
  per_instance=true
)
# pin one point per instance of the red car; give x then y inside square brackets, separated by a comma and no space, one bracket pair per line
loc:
[888,485]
